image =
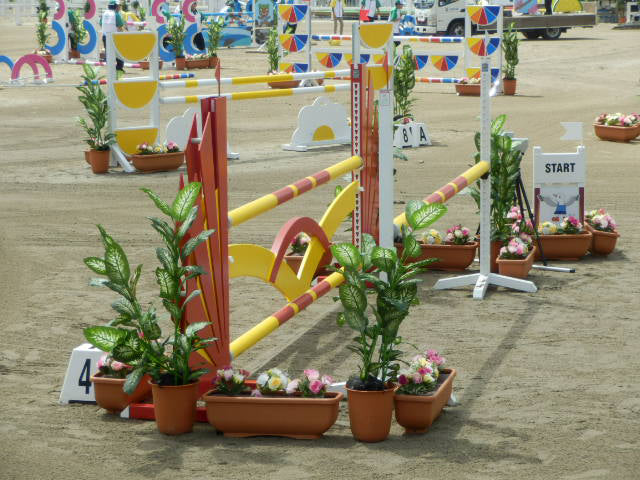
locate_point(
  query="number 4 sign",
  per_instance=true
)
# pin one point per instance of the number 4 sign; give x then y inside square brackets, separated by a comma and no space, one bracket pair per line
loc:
[77,387]
[411,134]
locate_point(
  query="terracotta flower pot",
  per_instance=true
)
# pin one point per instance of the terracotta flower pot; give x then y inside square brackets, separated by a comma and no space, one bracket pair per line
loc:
[144,65]
[99,160]
[111,397]
[294,417]
[516,268]
[283,83]
[416,413]
[602,243]
[86,157]
[509,86]
[370,414]
[496,245]
[615,134]
[175,407]
[637,127]
[565,247]
[451,257]
[213,62]
[191,64]
[48,57]
[160,162]
[468,89]
[74,53]
[180,63]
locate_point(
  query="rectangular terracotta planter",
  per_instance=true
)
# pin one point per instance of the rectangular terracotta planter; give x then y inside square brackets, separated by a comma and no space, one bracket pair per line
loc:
[197,63]
[468,89]
[516,268]
[160,162]
[450,257]
[602,243]
[416,413]
[565,247]
[281,416]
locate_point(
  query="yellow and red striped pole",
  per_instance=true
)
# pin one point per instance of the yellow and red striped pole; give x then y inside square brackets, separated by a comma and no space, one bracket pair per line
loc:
[290,310]
[267,202]
[447,191]
[281,92]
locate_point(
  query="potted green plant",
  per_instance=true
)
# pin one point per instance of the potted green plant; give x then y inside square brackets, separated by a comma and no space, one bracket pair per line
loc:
[94,101]
[274,404]
[404,80]
[273,57]
[214,32]
[604,230]
[176,31]
[510,49]
[370,392]
[135,336]
[108,385]
[568,240]
[43,35]
[157,158]
[424,388]
[78,34]
[505,169]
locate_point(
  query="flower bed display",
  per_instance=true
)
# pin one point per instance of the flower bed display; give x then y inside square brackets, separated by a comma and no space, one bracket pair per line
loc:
[604,230]
[617,127]
[157,158]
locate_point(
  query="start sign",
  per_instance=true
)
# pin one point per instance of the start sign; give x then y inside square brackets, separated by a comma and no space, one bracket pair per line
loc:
[558,182]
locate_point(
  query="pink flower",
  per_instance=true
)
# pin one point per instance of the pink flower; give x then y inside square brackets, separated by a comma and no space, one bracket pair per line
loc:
[503,251]
[402,379]
[435,357]
[103,361]
[465,231]
[256,393]
[316,386]
[425,370]
[140,334]
[327,379]
[117,366]
[312,374]
[417,378]
[293,386]
[227,373]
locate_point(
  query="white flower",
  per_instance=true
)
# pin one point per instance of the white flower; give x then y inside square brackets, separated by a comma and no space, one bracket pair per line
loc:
[262,379]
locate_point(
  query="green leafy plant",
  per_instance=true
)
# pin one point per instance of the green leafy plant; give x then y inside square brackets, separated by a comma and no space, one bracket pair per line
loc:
[510,49]
[78,33]
[44,9]
[377,341]
[176,31]
[273,50]
[134,337]
[404,80]
[94,101]
[214,31]
[505,169]
[42,31]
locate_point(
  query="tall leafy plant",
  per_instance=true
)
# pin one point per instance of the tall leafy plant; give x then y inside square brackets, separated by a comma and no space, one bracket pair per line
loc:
[78,32]
[376,313]
[510,49]
[135,337]
[404,80]
[42,31]
[176,31]
[214,31]
[94,100]
[505,169]
[273,50]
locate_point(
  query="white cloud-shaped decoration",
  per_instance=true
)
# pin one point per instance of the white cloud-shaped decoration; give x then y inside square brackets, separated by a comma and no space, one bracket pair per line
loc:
[322,123]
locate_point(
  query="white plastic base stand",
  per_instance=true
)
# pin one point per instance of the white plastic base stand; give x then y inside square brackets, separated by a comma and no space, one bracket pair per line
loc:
[119,156]
[77,386]
[482,280]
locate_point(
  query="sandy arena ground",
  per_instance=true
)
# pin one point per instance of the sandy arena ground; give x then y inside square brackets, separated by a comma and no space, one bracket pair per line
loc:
[548,383]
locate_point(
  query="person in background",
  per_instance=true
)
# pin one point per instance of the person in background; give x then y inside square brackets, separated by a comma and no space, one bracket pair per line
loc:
[198,39]
[337,11]
[111,22]
[371,6]
[395,17]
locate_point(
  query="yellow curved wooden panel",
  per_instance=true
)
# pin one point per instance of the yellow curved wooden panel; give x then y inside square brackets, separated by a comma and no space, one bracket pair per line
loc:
[134,46]
[128,140]
[380,76]
[135,94]
[375,35]
[256,261]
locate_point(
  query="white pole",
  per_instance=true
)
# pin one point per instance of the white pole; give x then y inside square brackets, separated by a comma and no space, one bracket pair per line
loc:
[485,156]
[467,34]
